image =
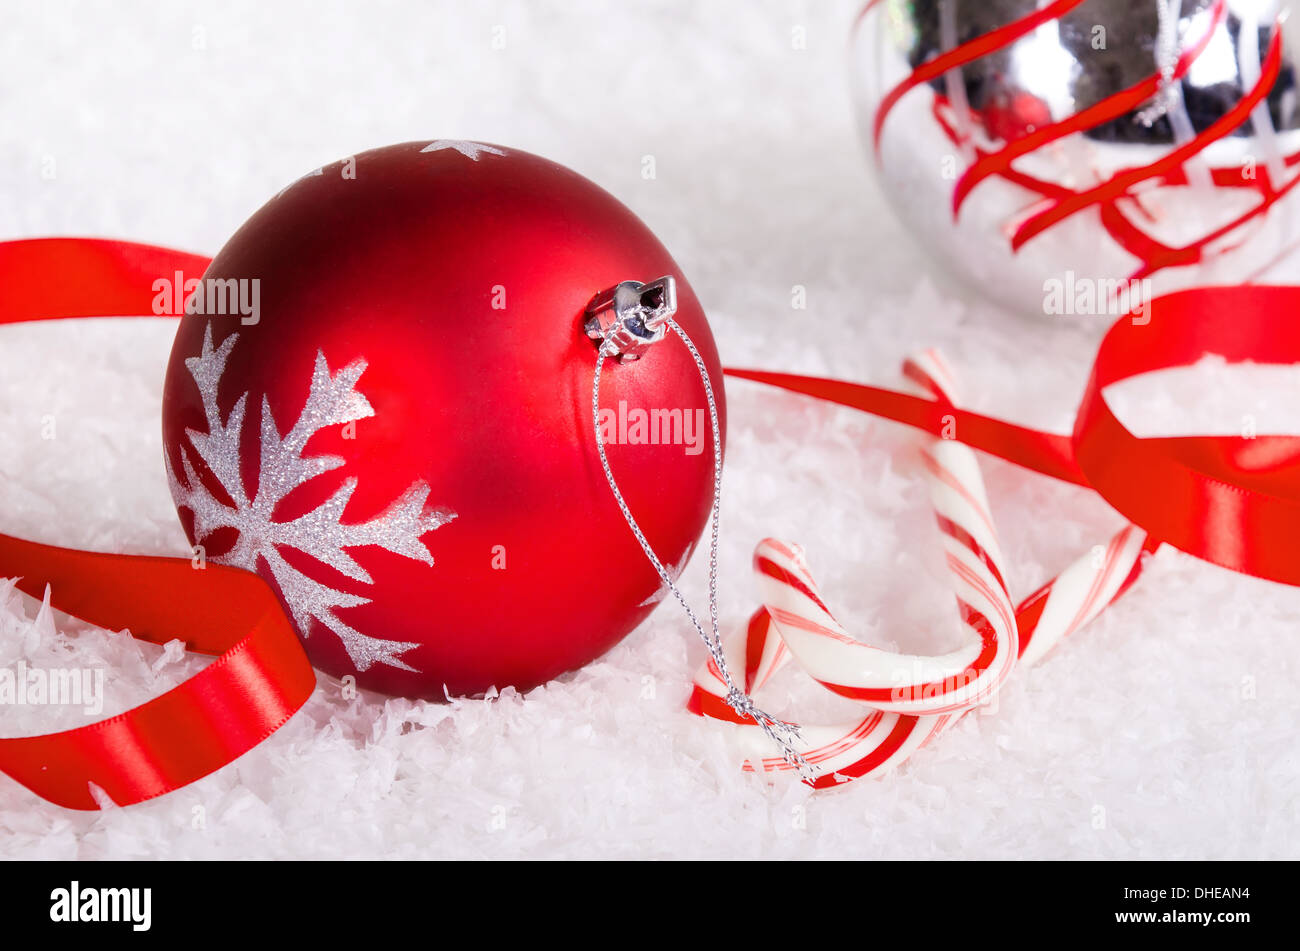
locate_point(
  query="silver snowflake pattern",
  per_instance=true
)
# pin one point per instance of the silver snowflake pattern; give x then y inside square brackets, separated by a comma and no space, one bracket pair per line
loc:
[321,533]
[471,150]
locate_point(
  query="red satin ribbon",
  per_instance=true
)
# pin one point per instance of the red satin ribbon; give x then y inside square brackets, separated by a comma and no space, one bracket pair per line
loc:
[1231,501]
[262,674]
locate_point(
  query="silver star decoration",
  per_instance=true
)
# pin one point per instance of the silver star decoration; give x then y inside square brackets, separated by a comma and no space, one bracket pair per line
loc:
[332,400]
[471,150]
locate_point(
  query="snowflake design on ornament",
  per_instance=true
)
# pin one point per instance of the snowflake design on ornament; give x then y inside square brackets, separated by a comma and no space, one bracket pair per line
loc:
[321,533]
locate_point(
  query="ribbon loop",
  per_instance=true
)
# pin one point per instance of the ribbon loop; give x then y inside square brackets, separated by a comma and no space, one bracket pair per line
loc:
[262,674]
[1231,501]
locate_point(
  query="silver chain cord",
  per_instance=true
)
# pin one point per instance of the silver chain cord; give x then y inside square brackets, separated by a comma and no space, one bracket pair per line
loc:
[779,731]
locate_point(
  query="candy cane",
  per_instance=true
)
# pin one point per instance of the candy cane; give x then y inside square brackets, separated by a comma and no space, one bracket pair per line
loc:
[885,737]
[897,682]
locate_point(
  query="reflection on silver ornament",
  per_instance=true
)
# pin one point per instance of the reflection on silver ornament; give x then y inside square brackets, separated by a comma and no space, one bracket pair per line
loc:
[1086,143]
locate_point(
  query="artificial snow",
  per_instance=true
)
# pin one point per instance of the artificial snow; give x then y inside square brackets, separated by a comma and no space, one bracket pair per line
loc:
[1164,730]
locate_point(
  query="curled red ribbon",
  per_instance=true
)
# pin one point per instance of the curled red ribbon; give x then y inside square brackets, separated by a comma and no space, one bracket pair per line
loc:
[1232,501]
[262,674]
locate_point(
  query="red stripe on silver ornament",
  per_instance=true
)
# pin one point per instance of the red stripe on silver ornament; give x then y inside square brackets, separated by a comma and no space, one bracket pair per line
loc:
[967,52]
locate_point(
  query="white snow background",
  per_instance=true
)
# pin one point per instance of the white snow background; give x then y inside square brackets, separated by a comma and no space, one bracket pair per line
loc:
[1165,730]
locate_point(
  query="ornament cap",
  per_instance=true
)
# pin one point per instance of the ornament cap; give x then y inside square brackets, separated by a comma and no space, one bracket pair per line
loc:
[631,316]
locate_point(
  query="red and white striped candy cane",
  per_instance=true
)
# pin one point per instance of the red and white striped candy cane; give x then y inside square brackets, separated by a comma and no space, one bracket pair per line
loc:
[879,741]
[885,737]
[909,683]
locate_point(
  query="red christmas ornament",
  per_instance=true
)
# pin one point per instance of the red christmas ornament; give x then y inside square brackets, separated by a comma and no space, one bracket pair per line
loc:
[380,401]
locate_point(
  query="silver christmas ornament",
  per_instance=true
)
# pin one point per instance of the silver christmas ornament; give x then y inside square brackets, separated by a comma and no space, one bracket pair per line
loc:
[1079,156]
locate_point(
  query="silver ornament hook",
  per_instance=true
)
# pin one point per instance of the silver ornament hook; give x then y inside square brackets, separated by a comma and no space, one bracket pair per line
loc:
[628,317]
